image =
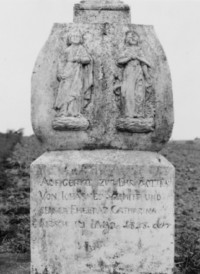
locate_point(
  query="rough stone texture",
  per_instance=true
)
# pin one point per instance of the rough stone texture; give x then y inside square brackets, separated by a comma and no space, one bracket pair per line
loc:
[103,40]
[103,110]
[100,83]
[97,11]
[102,212]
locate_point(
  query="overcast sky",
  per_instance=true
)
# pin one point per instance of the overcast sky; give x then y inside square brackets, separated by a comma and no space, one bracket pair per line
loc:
[26,24]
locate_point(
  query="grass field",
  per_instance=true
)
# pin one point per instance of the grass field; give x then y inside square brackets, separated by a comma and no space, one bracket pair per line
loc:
[14,206]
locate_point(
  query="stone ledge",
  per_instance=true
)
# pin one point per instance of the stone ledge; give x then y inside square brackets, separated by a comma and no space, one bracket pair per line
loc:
[101,5]
[105,7]
[111,157]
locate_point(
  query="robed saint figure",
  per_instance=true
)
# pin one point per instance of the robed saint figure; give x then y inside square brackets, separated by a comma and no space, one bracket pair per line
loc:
[75,76]
[136,83]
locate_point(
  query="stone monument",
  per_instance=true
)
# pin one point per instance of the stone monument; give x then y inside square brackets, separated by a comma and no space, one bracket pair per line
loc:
[102,198]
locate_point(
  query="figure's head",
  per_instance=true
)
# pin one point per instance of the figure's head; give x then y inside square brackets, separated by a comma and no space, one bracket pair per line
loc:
[132,38]
[75,38]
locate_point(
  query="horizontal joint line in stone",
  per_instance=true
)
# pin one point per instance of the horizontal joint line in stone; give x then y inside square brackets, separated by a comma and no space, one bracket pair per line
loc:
[103,8]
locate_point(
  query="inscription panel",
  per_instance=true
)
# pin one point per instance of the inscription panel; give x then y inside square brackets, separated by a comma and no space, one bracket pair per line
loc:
[105,212]
[108,223]
[79,198]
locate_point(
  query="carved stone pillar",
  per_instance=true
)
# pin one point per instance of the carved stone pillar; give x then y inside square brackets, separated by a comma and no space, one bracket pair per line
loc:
[102,198]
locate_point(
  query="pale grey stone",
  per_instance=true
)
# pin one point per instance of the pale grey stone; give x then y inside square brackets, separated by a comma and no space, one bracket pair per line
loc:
[102,82]
[102,211]
[107,106]
[97,12]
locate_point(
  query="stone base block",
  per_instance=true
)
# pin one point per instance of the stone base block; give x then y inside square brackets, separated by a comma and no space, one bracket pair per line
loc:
[102,211]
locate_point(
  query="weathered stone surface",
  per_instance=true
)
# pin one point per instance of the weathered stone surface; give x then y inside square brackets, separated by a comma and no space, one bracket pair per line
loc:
[97,12]
[112,81]
[102,212]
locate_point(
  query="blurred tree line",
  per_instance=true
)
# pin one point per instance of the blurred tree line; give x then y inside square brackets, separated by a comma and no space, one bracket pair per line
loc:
[17,152]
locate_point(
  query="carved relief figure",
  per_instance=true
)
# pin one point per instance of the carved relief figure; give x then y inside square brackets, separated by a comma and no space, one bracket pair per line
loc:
[136,83]
[75,76]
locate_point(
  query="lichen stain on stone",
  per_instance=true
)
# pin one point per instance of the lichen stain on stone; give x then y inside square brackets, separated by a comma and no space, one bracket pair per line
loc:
[115,268]
[86,246]
[80,192]
[102,265]
[45,271]
[39,171]
[105,29]
[115,193]
[94,191]
[90,266]
[140,244]
[115,272]
[74,171]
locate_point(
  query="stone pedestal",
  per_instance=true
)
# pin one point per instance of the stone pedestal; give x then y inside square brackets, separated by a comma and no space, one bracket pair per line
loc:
[102,211]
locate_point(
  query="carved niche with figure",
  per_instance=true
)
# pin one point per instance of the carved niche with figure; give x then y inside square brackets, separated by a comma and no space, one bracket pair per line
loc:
[135,88]
[75,76]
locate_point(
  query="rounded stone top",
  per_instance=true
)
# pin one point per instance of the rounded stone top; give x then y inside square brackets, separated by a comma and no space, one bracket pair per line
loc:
[102,86]
[102,5]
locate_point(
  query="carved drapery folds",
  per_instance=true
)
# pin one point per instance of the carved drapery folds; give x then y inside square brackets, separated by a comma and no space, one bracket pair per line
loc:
[135,89]
[104,83]
[75,76]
